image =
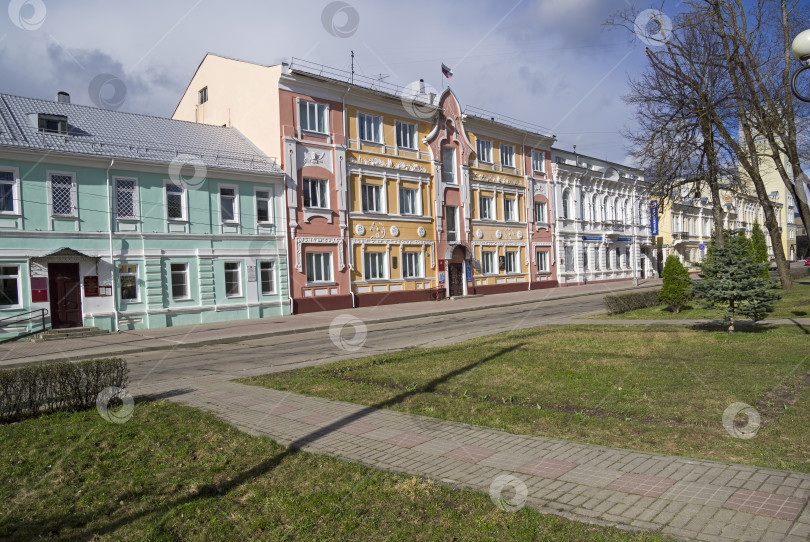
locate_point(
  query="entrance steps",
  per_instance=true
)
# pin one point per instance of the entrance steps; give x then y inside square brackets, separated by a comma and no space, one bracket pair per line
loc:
[67,333]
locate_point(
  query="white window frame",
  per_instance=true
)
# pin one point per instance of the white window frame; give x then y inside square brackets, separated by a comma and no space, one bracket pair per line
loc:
[271,214]
[489,262]
[272,275]
[452,210]
[74,200]
[185,273]
[378,200]
[136,202]
[510,203]
[324,195]
[380,267]
[183,201]
[566,204]
[121,274]
[406,128]
[15,191]
[325,266]
[17,278]
[490,207]
[512,267]
[236,215]
[483,148]
[376,126]
[416,267]
[225,271]
[449,173]
[416,200]
[542,261]
[540,212]
[507,155]
[539,158]
[318,106]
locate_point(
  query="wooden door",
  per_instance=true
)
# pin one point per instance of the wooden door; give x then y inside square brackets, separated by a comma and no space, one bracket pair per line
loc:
[66,295]
[456,278]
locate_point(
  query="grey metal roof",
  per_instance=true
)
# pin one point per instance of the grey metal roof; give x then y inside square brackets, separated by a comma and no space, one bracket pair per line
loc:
[116,134]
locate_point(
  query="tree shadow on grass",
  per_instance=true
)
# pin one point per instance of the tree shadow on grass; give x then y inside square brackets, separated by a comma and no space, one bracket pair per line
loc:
[744,326]
[53,524]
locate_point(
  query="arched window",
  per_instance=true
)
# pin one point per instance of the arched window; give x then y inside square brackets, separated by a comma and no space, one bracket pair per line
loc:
[594,207]
[602,210]
[617,212]
[566,203]
[581,205]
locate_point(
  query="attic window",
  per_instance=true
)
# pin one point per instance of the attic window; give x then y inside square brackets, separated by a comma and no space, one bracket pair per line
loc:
[203,95]
[52,124]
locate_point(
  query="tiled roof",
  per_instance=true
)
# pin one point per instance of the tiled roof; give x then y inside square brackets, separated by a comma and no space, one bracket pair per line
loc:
[115,134]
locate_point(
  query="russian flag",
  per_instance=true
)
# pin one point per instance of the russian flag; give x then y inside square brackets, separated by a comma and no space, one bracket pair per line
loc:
[446,71]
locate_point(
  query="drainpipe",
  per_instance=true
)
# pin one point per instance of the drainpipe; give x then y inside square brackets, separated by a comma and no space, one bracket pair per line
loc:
[526,204]
[112,260]
[349,249]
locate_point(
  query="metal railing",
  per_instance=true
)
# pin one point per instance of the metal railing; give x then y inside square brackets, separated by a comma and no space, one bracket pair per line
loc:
[24,318]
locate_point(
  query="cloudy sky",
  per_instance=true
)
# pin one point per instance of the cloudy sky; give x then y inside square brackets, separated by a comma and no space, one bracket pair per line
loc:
[549,62]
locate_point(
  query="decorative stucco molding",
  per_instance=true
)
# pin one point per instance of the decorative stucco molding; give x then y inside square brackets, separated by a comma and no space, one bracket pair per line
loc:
[318,241]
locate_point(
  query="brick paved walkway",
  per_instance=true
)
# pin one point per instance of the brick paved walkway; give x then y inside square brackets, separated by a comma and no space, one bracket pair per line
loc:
[687,498]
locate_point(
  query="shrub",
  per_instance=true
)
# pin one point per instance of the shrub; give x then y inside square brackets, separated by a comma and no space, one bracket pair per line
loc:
[29,390]
[619,303]
[676,288]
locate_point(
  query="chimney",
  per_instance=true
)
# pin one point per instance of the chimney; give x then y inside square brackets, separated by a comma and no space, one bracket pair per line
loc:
[63,97]
[421,86]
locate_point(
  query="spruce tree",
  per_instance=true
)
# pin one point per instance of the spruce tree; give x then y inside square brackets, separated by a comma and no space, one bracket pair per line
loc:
[676,288]
[759,246]
[733,282]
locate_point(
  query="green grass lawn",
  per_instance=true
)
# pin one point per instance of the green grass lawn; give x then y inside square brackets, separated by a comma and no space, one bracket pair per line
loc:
[662,389]
[174,473]
[795,303]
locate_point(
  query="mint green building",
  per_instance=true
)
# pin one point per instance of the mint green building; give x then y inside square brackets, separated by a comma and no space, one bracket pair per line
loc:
[124,221]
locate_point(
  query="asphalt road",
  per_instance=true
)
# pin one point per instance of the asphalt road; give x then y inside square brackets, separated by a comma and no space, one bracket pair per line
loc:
[154,370]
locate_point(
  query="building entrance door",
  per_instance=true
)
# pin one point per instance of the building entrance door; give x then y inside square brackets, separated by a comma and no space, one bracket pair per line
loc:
[643,274]
[66,295]
[456,278]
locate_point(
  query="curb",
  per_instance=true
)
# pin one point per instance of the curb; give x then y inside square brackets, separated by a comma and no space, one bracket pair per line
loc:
[294,331]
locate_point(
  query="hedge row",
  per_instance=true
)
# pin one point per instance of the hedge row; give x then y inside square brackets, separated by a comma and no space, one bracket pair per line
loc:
[58,386]
[618,303]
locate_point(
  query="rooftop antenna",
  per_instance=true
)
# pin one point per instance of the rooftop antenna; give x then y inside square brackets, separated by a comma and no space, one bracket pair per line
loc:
[352,67]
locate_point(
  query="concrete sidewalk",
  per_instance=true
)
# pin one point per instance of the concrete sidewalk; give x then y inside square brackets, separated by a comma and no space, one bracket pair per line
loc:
[130,342]
[687,498]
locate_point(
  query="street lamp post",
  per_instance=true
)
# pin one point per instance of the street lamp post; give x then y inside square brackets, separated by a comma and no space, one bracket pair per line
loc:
[801,49]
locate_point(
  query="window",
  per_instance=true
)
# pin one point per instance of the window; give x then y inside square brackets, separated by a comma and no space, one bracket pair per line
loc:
[510,209]
[539,162]
[126,198]
[9,285]
[594,209]
[449,164]
[370,127]
[452,224]
[267,276]
[227,204]
[627,256]
[52,124]
[128,281]
[406,135]
[485,210]
[540,214]
[319,267]
[175,202]
[263,206]
[618,258]
[507,155]
[63,195]
[585,259]
[607,259]
[409,201]
[313,117]
[512,261]
[179,280]
[7,189]
[202,95]
[488,262]
[374,265]
[542,261]
[566,203]
[568,254]
[484,150]
[372,198]
[233,279]
[315,193]
[412,265]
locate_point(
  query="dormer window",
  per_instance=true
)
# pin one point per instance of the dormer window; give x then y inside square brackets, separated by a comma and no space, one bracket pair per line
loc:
[52,124]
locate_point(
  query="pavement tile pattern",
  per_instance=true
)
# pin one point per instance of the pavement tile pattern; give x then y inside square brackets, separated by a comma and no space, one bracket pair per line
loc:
[685,498]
